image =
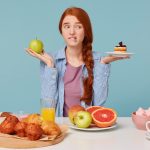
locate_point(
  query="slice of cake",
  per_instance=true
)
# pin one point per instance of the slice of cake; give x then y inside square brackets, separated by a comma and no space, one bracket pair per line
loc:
[120,48]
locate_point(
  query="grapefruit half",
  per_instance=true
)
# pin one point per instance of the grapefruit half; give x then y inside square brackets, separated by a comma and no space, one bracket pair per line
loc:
[105,117]
[91,109]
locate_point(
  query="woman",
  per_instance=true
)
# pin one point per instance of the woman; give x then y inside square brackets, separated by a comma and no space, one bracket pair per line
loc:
[75,74]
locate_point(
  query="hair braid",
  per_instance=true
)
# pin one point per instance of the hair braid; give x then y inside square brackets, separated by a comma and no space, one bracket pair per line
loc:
[88,82]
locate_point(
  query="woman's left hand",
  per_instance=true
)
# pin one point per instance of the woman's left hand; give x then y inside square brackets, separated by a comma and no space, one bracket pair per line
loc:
[109,59]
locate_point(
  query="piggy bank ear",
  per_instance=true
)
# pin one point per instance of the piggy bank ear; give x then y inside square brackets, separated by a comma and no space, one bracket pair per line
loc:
[148,127]
[147,111]
[140,111]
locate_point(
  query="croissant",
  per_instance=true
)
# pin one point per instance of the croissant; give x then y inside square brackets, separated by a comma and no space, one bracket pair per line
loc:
[20,129]
[8,125]
[33,131]
[5,114]
[33,118]
[50,128]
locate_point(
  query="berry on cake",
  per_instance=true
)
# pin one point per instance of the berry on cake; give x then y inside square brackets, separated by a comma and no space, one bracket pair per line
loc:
[120,48]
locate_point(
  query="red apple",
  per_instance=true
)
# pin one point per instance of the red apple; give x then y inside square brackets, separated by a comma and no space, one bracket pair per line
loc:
[73,111]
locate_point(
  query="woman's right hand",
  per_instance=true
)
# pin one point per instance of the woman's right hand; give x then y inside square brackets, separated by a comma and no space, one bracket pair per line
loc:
[47,59]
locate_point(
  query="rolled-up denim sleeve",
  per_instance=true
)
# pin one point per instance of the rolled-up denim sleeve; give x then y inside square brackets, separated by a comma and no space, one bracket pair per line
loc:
[49,80]
[100,85]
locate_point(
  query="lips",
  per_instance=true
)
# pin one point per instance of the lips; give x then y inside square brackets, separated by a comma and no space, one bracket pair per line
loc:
[74,38]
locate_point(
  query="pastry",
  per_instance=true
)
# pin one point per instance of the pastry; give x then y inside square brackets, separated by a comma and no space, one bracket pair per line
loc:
[8,125]
[20,129]
[33,118]
[50,128]
[33,131]
[120,48]
[5,114]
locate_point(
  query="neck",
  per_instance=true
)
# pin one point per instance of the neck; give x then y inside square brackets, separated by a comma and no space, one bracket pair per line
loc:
[74,55]
[74,52]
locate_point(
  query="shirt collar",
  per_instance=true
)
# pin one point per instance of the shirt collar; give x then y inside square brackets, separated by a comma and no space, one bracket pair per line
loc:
[61,54]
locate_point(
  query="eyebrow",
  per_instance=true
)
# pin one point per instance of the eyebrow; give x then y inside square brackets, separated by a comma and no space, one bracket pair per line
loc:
[66,23]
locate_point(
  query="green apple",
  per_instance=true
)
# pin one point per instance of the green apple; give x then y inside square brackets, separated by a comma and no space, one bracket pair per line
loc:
[83,119]
[36,45]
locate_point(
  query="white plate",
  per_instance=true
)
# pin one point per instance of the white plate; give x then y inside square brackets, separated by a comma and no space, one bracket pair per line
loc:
[120,54]
[92,128]
[147,135]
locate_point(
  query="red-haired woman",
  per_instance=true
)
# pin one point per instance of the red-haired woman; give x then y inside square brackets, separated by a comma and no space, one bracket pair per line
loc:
[75,74]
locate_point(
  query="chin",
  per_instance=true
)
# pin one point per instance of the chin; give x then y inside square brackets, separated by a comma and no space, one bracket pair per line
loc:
[74,45]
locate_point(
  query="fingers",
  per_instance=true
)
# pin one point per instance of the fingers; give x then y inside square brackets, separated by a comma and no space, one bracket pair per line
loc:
[47,59]
[110,58]
[28,50]
[118,58]
[126,57]
[31,52]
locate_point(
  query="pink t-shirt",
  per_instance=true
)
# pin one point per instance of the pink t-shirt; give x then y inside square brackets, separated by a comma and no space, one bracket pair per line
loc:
[72,87]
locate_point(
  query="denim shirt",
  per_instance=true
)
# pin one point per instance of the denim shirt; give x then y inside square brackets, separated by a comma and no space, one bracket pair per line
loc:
[52,84]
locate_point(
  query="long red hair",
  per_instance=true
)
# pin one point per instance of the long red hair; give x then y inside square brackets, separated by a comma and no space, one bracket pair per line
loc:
[83,17]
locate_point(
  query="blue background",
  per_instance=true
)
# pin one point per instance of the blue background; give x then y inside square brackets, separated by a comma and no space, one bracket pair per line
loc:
[113,21]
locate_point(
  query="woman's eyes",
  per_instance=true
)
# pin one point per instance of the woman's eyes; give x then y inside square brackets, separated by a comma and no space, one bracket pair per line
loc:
[76,26]
[66,26]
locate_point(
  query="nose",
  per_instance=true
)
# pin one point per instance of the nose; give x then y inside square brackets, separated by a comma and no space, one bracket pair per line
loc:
[72,30]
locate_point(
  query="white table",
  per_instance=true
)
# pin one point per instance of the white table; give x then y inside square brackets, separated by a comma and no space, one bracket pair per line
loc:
[124,137]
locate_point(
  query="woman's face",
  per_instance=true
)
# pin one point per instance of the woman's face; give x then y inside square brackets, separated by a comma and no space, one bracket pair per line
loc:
[72,31]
